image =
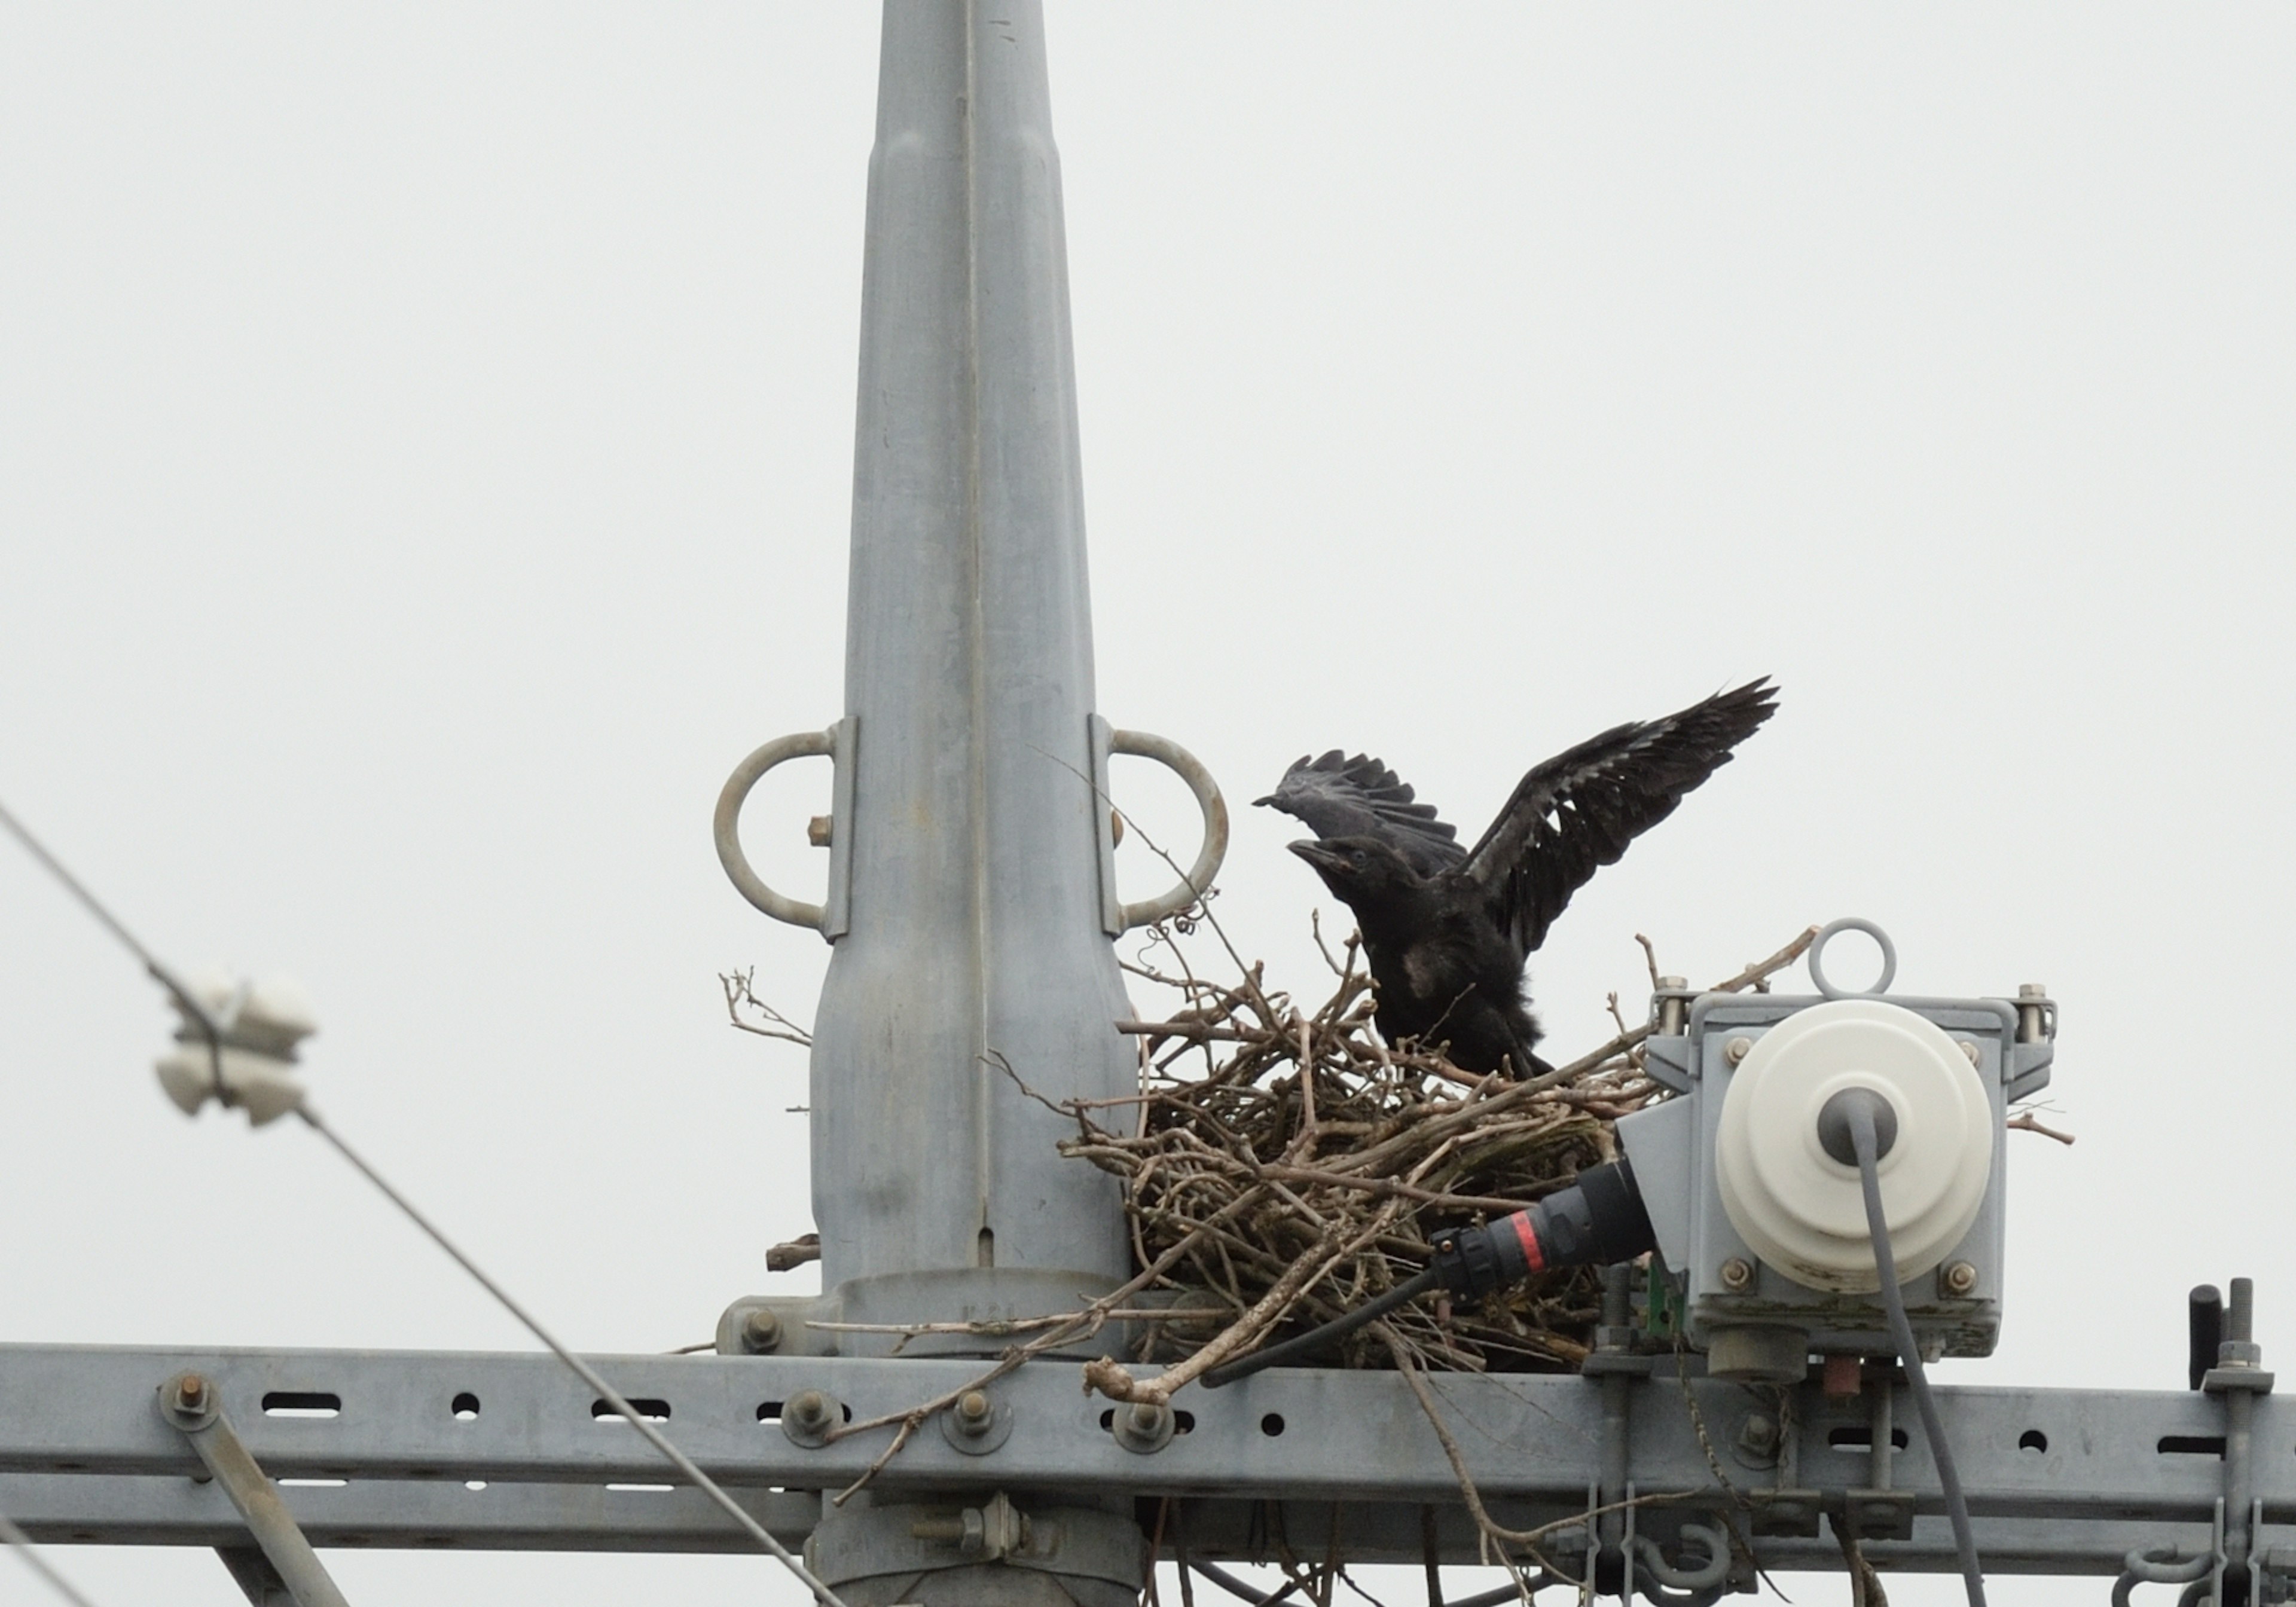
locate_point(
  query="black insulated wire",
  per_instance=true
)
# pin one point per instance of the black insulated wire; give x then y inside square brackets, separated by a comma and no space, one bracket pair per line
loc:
[1315,1339]
[1859,1114]
[1243,1589]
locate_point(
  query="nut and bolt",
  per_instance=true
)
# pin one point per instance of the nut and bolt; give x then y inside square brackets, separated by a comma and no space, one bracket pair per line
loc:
[1969,1051]
[1116,828]
[1757,1436]
[974,1411]
[819,829]
[1144,1427]
[1959,1278]
[761,1332]
[809,1410]
[1737,1049]
[1737,1273]
[192,1391]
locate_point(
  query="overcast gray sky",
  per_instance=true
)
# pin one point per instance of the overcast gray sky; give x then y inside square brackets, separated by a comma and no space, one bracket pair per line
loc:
[425,443]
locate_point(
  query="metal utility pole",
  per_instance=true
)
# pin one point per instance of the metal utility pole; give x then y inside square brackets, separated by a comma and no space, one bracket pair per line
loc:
[973,918]
[971,900]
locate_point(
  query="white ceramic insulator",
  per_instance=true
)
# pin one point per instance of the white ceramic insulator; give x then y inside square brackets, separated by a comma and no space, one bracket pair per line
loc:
[264,1087]
[1801,1210]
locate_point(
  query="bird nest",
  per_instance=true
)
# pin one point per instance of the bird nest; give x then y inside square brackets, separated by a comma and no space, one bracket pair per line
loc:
[1283,1165]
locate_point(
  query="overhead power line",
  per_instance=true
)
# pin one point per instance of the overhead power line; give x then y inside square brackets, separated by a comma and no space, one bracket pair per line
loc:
[581,1369]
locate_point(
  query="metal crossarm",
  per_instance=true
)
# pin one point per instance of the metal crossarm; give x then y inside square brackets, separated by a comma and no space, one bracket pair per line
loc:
[2062,1480]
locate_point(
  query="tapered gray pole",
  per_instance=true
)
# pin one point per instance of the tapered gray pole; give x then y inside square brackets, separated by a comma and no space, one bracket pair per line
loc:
[971,941]
[973,937]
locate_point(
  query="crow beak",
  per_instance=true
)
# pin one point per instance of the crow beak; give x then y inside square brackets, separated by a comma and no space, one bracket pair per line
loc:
[1315,853]
[1268,802]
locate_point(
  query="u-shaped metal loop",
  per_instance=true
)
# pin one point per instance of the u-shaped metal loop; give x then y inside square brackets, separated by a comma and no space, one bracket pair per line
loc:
[1198,880]
[1816,959]
[1706,1576]
[726,827]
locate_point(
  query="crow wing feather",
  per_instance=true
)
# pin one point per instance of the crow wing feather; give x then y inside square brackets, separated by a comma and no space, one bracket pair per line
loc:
[1340,795]
[1578,810]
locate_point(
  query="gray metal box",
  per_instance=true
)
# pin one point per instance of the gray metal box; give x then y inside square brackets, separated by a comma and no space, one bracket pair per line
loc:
[1729,1291]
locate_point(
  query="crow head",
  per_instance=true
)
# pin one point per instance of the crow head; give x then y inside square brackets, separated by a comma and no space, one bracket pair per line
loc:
[1359,870]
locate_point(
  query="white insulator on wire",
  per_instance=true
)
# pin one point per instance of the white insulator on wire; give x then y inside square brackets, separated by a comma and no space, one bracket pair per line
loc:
[251,1064]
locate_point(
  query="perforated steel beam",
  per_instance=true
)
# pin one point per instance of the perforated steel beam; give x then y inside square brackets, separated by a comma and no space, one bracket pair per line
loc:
[2064,1480]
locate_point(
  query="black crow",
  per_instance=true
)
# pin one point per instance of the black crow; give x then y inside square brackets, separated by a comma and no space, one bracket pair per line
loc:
[1447,930]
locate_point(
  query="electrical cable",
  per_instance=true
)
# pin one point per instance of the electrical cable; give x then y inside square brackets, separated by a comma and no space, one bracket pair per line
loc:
[580,1368]
[111,922]
[29,1551]
[1243,1589]
[1859,1115]
[1505,1592]
[1315,1339]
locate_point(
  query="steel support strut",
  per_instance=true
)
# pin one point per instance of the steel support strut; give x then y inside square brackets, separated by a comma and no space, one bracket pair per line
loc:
[188,1402]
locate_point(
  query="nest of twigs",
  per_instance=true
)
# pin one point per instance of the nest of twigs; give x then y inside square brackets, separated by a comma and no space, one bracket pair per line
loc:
[1282,1167]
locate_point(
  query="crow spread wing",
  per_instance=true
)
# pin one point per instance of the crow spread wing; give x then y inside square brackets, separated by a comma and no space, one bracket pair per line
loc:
[1338,796]
[1578,810]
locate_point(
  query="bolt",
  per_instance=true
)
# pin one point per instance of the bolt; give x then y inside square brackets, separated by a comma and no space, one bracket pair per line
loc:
[1115,828]
[761,1332]
[808,1409]
[2029,998]
[192,1390]
[1757,1436]
[1146,1416]
[818,829]
[1959,1278]
[1737,1273]
[1737,1049]
[974,1410]
[1969,1051]
[1672,1012]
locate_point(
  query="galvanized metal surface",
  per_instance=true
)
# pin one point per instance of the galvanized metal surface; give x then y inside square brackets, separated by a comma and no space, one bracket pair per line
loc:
[394,1515]
[2068,1479]
[974,940]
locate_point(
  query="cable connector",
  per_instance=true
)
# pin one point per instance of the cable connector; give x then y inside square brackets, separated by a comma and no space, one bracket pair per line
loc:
[1597,1221]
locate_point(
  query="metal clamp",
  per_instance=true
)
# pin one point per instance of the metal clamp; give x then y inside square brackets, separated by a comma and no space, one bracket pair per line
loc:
[835,744]
[1117,917]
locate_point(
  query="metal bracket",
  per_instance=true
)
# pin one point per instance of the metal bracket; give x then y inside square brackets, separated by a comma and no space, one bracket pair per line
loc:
[1116,916]
[188,1402]
[831,917]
